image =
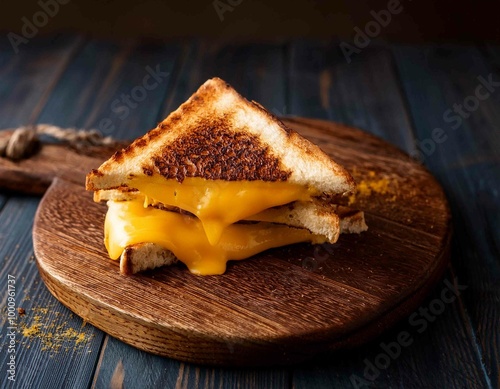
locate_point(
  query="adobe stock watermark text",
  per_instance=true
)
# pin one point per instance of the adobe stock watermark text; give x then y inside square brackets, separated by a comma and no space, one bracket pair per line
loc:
[455,116]
[30,28]
[11,328]
[419,322]
[122,106]
[372,29]
[223,6]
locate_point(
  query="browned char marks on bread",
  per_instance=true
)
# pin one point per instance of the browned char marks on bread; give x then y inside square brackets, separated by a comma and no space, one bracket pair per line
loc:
[216,153]
[138,144]
[96,172]
[120,155]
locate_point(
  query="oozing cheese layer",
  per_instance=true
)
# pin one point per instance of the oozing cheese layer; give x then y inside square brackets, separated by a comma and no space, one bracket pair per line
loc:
[218,203]
[129,222]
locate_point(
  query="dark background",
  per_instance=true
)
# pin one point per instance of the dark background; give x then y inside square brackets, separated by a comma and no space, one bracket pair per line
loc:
[420,21]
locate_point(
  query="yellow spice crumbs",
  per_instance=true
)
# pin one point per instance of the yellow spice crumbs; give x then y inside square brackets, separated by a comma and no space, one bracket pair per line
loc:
[53,335]
[373,184]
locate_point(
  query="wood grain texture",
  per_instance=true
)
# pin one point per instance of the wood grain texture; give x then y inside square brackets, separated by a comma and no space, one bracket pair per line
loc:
[105,84]
[406,369]
[364,93]
[27,80]
[68,93]
[256,71]
[144,370]
[271,319]
[47,334]
[467,164]
[368,93]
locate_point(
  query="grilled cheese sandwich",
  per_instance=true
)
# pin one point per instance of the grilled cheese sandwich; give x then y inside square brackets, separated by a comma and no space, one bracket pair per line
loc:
[219,179]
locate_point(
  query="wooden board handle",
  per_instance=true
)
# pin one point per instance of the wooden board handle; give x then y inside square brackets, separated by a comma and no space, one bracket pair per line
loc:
[35,174]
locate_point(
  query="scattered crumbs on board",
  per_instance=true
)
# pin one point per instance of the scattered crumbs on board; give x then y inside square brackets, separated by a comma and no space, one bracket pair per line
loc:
[44,324]
[373,183]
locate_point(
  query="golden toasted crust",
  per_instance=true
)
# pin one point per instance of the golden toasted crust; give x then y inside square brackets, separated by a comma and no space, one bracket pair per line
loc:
[218,134]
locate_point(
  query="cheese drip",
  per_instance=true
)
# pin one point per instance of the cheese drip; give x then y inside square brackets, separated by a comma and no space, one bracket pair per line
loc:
[219,203]
[128,223]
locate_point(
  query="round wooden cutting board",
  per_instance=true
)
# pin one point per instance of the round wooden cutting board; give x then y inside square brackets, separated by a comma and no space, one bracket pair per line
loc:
[282,306]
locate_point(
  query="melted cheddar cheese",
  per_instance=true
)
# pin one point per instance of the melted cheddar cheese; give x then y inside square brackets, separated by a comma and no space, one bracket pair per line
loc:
[218,203]
[129,222]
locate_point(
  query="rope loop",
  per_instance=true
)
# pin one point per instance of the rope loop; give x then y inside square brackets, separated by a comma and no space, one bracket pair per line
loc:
[24,140]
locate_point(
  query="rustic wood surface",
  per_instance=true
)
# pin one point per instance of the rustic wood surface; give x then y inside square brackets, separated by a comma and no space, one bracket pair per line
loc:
[280,307]
[399,93]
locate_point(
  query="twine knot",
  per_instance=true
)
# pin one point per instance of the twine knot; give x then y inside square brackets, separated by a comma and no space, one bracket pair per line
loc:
[25,140]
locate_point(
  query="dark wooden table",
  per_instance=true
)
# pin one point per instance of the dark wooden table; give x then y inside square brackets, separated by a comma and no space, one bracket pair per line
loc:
[400,93]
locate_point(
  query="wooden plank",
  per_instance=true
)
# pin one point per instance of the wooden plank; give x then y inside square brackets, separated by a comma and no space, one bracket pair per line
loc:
[468,131]
[27,76]
[116,88]
[467,165]
[256,71]
[324,85]
[368,93]
[47,333]
[119,366]
[414,363]
[122,363]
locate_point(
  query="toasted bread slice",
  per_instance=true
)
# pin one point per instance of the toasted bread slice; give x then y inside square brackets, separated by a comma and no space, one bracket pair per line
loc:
[352,221]
[219,135]
[121,194]
[309,215]
[147,256]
